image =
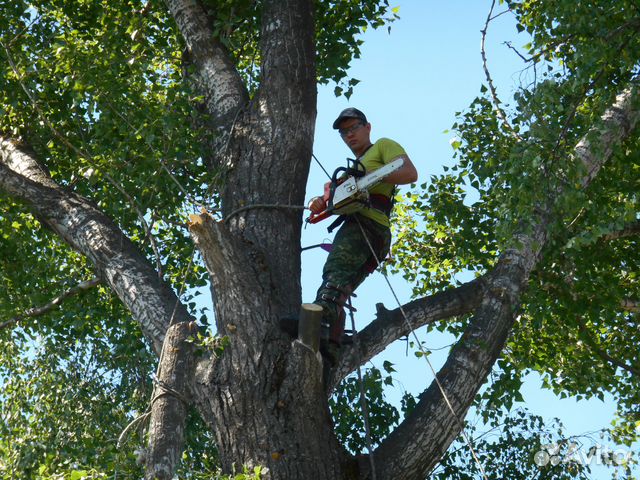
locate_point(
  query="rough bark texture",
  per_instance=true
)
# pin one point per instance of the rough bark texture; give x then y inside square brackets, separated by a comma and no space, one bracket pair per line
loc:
[390,325]
[170,401]
[263,396]
[82,226]
[216,75]
[264,392]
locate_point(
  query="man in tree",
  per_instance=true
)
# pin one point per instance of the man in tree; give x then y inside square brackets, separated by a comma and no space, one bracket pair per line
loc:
[351,258]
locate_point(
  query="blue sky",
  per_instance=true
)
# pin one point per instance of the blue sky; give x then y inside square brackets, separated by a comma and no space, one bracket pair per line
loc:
[413,82]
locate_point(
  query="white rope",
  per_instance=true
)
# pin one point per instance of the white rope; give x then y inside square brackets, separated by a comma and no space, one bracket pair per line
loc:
[424,354]
[363,398]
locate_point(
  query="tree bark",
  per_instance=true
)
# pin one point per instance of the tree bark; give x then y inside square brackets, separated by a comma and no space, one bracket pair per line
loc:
[216,75]
[418,443]
[390,325]
[263,396]
[87,230]
[264,399]
[169,402]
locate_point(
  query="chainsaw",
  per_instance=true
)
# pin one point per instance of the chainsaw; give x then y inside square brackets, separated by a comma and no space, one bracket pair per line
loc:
[349,192]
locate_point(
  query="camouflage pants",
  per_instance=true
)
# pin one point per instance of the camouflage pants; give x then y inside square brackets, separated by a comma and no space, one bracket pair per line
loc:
[348,264]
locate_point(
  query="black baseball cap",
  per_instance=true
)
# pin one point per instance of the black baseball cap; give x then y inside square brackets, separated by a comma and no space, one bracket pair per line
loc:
[349,113]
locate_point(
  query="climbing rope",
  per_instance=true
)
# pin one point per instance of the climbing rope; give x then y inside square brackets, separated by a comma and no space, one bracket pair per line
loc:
[363,399]
[424,354]
[321,166]
[422,350]
[264,205]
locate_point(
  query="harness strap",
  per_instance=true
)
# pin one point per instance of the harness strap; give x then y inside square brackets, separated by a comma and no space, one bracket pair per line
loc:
[381,202]
[377,201]
[336,223]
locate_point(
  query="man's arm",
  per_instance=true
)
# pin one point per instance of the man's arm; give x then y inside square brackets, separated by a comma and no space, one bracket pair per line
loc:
[406,174]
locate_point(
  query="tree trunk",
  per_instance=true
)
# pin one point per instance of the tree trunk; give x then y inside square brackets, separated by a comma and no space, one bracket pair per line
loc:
[264,397]
[169,402]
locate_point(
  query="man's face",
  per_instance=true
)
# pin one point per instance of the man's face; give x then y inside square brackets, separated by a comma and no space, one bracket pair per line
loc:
[355,135]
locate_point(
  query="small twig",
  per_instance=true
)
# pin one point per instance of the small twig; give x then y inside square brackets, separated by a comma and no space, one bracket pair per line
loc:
[27,27]
[522,57]
[162,162]
[37,311]
[499,14]
[589,340]
[494,94]
[576,218]
[601,352]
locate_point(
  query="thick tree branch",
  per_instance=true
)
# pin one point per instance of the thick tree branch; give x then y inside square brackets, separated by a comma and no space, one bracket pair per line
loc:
[87,230]
[234,266]
[170,401]
[629,230]
[37,311]
[616,124]
[216,74]
[418,442]
[630,305]
[390,325]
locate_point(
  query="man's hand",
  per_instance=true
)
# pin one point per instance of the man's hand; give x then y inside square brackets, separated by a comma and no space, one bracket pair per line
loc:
[319,204]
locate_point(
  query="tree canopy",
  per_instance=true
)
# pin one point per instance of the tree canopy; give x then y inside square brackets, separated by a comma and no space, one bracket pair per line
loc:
[526,250]
[579,315]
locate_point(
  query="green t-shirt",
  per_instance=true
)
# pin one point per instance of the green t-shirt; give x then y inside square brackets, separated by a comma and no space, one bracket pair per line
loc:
[380,153]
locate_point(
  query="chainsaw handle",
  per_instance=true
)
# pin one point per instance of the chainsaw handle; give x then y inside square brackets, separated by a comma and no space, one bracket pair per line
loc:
[318,217]
[330,188]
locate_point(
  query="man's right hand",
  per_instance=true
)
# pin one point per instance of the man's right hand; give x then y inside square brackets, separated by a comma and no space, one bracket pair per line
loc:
[317,205]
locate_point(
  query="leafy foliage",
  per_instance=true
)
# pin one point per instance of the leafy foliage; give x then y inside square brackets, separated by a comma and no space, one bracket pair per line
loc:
[573,327]
[65,401]
[96,88]
[338,28]
[520,445]
[348,409]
